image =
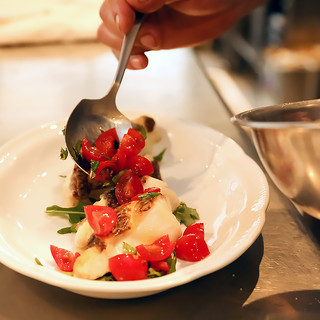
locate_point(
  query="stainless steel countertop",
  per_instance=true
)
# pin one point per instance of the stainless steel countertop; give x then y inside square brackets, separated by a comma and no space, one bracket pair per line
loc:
[276,278]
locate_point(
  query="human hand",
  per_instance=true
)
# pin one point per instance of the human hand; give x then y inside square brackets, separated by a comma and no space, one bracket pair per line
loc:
[169,23]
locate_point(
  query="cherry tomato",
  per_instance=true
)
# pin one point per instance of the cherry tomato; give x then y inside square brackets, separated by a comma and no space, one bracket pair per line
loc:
[128,267]
[140,164]
[128,185]
[106,169]
[101,219]
[132,142]
[195,228]
[64,258]
[158,250]
[91,153]
[191,248]
[160,265]
[108,142]
[120,158]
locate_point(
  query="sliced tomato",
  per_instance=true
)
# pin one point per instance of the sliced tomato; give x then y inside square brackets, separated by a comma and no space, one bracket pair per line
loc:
[108,142]
[132,142]
[128,267]
[140,164]
[64,258]
[160,265]
[195,228]
[158,250]
[106,170]
[121,159]
[101,219]
[191,248]
[91,153]
[128,185]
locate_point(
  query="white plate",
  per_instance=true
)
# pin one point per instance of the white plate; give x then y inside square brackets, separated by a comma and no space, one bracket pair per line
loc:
[208,171]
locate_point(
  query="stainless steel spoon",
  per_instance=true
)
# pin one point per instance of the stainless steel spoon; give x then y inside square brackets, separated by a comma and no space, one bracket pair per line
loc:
[90,117]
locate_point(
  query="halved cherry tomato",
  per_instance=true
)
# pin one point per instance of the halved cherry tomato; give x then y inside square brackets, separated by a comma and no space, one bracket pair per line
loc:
[191,247]
[158,250]
[128,267]
[120,158]
[132,142]
[128,185]
[160,265]
[140,164]
[195,228]
[64,258]
[101,219]
[108,142]
[106,170]
[91,153]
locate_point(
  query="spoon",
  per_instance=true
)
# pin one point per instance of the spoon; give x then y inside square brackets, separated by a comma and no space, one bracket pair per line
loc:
[91,117]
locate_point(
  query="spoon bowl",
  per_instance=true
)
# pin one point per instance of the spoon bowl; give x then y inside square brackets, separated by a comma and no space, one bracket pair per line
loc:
[91,117]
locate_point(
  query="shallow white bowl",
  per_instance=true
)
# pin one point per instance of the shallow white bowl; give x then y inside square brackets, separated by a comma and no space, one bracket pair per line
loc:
[209,172]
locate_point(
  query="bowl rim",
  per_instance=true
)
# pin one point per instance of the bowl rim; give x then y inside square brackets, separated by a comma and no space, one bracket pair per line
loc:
[243,118]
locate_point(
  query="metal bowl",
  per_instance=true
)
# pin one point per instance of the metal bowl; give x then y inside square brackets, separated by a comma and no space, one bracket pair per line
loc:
[287,139]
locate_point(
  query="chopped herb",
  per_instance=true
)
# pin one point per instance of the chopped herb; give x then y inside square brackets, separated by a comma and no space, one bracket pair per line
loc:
[62,176]
[153,273]
[93,168]
[64,131]
[128,249]
[77,148]
[148,195]
[38,262]
[186,215]
[63,154]
[159,157]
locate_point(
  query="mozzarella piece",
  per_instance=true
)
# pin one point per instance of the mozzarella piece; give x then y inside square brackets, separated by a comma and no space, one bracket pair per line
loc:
[149,182]
[149,220]
[92,264]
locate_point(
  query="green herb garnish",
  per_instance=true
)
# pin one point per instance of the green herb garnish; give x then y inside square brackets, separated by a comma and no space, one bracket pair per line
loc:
[38,262]
[159,157]
[186,215]
[63,154]
[128,249]
[148,195]
[93,168]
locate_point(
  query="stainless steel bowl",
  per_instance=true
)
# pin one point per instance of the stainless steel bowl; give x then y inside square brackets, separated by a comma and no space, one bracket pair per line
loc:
[287,139]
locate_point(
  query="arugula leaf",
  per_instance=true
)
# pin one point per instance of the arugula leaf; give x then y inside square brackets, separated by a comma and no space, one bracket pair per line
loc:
[63,154]
[71,229]
[75,214]
[77,148]
[159,157]
[186,215]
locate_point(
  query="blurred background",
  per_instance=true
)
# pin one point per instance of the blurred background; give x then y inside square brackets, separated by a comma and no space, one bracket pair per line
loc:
[271,56]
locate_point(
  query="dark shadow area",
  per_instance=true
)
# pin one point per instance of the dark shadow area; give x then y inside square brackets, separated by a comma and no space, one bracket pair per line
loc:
[219,295]
[297,305]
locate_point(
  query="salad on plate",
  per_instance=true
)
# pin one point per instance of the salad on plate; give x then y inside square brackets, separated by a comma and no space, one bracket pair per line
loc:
[128,224]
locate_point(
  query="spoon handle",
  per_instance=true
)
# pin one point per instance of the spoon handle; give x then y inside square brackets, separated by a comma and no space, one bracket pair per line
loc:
[127,45]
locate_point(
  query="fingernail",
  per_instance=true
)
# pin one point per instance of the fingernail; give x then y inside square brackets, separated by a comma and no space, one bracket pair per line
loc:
[148,41]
